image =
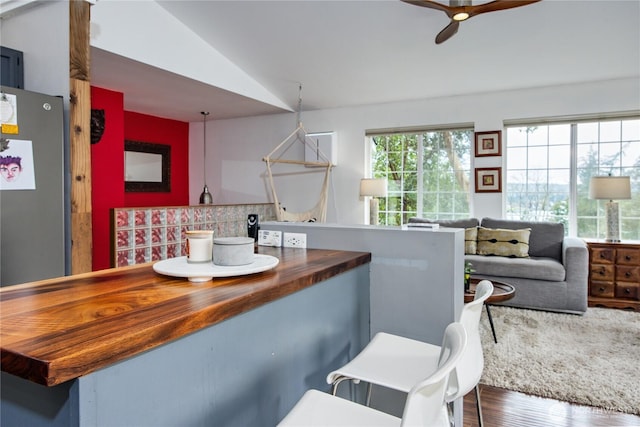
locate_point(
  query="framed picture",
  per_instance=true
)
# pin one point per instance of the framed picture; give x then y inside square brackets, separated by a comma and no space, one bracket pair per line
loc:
[488,180]
[488,143]
[147,167]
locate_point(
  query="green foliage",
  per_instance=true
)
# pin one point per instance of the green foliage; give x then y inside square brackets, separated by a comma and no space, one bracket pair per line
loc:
[443,189]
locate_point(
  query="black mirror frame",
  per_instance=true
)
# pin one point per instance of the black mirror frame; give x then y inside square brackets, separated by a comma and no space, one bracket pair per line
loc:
[143,186]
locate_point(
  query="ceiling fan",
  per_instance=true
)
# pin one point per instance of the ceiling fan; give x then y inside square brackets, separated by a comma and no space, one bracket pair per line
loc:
[461,10]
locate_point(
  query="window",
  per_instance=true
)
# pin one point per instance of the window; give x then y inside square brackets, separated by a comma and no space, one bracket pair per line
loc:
[549,166]
[427,172]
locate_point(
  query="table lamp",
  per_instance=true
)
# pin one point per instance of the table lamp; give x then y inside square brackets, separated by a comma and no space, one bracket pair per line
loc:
[611,188]
[373,188]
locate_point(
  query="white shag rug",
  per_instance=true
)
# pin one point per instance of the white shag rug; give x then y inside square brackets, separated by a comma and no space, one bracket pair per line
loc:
[592,359]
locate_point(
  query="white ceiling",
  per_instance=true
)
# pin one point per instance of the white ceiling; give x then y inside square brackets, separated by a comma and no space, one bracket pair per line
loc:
[347,53]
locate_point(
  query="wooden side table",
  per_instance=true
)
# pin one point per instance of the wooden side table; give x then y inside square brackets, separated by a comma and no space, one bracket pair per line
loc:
[614,274]
[501,292]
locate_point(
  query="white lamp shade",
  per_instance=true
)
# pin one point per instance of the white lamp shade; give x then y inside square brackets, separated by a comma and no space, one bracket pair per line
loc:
[610,187]
[373,187]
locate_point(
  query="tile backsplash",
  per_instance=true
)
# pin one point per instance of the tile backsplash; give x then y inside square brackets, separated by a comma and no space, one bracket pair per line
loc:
[142,235]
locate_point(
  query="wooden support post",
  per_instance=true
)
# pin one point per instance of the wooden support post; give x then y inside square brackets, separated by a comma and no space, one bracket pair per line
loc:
[80,136]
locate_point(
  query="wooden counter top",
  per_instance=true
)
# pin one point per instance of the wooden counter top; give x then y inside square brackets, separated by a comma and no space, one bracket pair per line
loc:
[56,330]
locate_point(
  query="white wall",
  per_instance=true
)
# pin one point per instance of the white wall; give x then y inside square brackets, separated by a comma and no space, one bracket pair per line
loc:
[236,173]
[116,27]
[41,32]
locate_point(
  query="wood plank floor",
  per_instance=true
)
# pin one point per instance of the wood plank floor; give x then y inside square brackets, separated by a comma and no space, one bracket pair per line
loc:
[506,408]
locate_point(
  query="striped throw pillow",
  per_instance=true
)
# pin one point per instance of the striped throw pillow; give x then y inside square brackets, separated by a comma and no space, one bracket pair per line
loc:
[503,242]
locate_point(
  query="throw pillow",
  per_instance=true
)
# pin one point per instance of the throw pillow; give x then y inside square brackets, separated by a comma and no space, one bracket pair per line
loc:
[502,242]
[470,240]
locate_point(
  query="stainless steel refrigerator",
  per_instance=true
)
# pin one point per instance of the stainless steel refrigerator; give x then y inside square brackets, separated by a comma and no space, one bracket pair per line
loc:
[34,236]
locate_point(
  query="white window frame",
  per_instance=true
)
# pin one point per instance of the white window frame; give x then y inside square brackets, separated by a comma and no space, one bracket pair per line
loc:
[573,122]
[420,153]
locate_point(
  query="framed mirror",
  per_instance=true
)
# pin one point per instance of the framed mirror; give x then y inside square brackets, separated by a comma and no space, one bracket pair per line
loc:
[147,167]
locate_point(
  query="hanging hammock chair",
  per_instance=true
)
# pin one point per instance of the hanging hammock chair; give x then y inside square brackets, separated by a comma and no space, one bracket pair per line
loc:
[317,213]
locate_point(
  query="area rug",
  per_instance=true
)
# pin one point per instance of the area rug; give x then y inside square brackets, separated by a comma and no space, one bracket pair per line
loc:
[592,359]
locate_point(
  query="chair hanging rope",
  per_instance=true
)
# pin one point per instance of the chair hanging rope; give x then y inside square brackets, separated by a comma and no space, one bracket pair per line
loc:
[319,211]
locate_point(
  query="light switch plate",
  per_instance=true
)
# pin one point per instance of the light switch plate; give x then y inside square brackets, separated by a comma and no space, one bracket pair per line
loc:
[269,238]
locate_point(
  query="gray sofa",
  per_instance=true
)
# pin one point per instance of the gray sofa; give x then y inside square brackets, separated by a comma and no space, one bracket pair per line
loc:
[554,275]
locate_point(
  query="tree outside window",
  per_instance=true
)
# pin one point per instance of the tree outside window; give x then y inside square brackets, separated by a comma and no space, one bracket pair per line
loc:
[427,173]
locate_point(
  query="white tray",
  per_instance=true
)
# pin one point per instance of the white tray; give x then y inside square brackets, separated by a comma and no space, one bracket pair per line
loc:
[179,267]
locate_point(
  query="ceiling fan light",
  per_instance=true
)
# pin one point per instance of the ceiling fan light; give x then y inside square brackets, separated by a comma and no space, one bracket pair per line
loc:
[460,16]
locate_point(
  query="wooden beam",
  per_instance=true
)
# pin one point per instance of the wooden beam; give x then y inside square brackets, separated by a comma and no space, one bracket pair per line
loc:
[80,136]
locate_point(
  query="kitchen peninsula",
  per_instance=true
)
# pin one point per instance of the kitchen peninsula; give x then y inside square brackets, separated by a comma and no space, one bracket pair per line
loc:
[129,346]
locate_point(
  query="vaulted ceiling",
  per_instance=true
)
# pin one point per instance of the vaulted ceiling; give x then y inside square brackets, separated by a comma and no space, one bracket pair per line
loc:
[348,53]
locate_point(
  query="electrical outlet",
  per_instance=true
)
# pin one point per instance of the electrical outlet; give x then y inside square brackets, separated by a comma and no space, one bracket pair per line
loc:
[269,238]
[294,240]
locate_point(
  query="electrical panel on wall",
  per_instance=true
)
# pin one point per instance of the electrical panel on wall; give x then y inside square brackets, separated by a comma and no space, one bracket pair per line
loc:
[321,142]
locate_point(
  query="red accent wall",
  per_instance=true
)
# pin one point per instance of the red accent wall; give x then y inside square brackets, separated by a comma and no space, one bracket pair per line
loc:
[107,166]
[107,172]
[144,128]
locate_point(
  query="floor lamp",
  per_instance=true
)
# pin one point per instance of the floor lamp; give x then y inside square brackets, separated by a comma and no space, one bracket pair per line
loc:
[611,188]
[373,188]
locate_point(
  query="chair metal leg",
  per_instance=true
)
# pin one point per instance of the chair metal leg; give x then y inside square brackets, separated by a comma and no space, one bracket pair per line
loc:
[336,383]
[452,421]
[478,406]
[491,323]
[368,394]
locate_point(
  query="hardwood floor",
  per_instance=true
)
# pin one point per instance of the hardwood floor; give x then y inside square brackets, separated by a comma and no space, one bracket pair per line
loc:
[506,408]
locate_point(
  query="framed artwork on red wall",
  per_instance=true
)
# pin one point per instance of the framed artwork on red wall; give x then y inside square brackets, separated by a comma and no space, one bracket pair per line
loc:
[147,167]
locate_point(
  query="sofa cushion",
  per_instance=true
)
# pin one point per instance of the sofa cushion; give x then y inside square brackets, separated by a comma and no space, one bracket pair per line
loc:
[545,269]
[545,239]
[470,240]
[470,229]
[503,242]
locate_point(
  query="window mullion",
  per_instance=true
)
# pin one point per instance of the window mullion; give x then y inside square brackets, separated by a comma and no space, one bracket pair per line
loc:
[419,173]
[573,181]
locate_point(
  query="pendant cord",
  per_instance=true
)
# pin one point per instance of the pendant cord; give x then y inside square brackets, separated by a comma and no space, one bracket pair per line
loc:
[204,138]
[299,105]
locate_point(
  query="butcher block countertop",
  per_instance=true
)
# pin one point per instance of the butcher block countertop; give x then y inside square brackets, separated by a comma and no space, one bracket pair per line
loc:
[55,330]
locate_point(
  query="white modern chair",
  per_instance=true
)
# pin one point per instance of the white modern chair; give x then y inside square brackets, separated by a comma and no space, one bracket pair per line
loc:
[425,406]
[399,363]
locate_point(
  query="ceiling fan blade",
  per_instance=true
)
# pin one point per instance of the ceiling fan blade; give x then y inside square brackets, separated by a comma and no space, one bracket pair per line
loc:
[430,4]
[447,32]
[465,6]
[467,10]
[496,5]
